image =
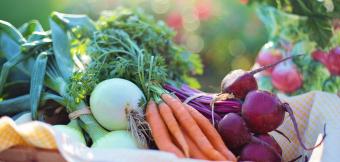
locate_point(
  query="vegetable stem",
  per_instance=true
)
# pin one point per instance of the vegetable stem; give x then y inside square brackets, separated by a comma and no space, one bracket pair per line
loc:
[90,125]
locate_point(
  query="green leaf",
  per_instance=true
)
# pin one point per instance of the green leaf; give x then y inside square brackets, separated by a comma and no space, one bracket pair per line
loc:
[319,30]
[303,47]
[14,105]
[62,49]
[37,83]
[30,27]
[70,21]
[61,26]
[12,32]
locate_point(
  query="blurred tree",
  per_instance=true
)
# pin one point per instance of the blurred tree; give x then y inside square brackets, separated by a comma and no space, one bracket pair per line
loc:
[227,34]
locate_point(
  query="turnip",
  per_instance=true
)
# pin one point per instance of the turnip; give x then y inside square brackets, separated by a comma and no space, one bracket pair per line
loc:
[116,139]
[117,105]
[240,82]
[263,112]
[286,78]
[268,55]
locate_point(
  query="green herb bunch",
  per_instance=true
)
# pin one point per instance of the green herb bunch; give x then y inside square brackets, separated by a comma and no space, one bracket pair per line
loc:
[132,45]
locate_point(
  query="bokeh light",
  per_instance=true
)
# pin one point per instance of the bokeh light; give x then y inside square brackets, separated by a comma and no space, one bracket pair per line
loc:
[227,34]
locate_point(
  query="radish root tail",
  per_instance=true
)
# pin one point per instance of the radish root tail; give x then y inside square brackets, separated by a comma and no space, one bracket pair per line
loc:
[295,159]
[138,127]
[291,114]
[282,134]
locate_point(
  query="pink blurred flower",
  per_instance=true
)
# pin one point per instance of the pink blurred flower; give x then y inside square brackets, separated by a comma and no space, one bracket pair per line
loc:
[175,20]
[203,9]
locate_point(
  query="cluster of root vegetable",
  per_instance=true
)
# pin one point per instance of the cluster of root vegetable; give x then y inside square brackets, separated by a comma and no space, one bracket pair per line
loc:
[243,115]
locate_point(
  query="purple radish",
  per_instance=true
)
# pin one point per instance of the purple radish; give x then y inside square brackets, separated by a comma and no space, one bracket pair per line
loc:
[271,141]
[235,134]
[258,113]
[239,82]
[234,131]
[263,112]
[259,153]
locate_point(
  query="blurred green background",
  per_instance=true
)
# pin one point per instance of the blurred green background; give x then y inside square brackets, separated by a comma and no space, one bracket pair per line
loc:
[226,33]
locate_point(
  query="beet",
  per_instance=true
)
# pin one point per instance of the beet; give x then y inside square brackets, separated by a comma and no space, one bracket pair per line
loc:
[263,112]
[259,153]
[240,82]
[234,131]
[286,78]
[271,141]
[268,55]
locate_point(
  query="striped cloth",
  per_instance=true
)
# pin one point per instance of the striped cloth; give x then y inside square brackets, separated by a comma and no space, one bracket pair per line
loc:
[34,133]
[312,110]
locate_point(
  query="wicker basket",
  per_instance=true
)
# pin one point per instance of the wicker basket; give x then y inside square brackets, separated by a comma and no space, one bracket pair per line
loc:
[30,154]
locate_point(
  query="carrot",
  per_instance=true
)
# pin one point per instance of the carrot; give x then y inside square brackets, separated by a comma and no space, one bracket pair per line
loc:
[211,133]
[189,125]
[194,152]
[159,131]
[173,127]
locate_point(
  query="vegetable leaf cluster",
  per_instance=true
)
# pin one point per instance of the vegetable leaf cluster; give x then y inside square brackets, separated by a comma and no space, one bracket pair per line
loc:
[318,14]
[133,46]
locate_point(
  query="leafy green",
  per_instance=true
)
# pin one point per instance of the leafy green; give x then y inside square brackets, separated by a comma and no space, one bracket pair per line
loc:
[156,38]
[29,28]
[318,14]
[114,55]
[132,45]
[37,82]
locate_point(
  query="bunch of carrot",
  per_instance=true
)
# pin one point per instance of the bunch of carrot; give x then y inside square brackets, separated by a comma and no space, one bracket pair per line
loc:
[180,129]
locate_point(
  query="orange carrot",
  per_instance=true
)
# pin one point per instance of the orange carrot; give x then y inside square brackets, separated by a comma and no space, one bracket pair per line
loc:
[194,152]
[159,131]
[189,125]
[211,133]
[170,121]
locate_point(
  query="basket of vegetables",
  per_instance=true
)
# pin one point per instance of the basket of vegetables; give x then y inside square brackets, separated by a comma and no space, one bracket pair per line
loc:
[119,89]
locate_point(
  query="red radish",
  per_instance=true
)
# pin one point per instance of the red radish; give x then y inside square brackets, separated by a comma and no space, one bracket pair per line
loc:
[240,82]
[268,55]
[234,131]
[319,55]
[263,112]
[259,153]
[333,61]
[286,78]
[271,141]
